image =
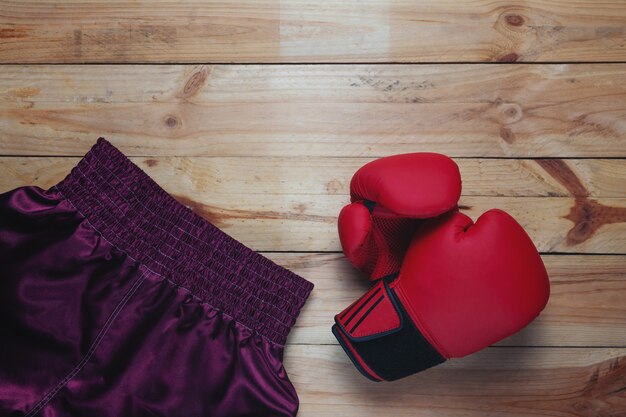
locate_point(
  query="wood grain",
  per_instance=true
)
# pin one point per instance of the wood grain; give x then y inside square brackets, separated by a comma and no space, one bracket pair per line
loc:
[586,306]
[494,382]
[281,204]
[39,31]
[331,176]
[322,110]
[266,153]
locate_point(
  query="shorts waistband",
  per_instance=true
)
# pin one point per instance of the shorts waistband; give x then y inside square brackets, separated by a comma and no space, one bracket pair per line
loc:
[135,214]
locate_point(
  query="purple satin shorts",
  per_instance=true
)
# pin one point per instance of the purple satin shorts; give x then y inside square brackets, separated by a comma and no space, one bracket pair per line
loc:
[117,300]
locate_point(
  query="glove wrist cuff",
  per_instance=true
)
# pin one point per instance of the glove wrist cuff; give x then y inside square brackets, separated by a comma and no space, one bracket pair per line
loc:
[379,337]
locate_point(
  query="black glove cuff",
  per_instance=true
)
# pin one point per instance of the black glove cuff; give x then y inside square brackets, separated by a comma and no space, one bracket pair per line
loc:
[387,355]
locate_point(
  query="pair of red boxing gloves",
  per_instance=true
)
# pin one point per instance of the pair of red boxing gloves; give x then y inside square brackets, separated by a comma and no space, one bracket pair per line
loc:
[443,286]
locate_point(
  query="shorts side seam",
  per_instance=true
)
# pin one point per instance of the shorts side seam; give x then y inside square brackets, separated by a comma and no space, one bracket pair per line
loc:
[105,328]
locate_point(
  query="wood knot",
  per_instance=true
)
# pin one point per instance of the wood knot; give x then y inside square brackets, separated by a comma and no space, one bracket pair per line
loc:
[511,57]
[512,111]
[334,186]
[195,82]
[514,19]
[171,121]
[588,216]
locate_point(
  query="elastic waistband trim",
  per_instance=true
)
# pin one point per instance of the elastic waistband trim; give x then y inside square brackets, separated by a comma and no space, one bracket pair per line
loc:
[134,213]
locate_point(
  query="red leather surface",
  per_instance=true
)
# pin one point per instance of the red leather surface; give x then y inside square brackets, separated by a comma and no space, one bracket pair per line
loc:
[469,285]
[355,226]
[415,185]
[405,188]
[371,315]
[374,245]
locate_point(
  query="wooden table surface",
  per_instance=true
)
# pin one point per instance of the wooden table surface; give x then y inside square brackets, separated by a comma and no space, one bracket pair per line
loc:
[257,113]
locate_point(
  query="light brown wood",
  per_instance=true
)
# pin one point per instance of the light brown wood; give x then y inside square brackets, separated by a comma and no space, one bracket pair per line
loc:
[495,382]
[266,152]
[331,176]
[586,306]
[322,110]
[277,217]
[305,31]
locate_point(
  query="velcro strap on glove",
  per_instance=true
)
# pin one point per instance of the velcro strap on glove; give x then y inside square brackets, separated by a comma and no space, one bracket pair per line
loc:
[371,316]
[379,337]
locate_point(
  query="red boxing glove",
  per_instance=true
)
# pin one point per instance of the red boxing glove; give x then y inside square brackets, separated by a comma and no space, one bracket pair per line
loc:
[389,196]
[462,287]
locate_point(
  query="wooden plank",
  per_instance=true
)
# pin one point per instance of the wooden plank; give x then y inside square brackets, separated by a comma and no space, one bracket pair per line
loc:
[38,31]
[586,306]
[331,176]
[327,110]
[503,382]
[276,218]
